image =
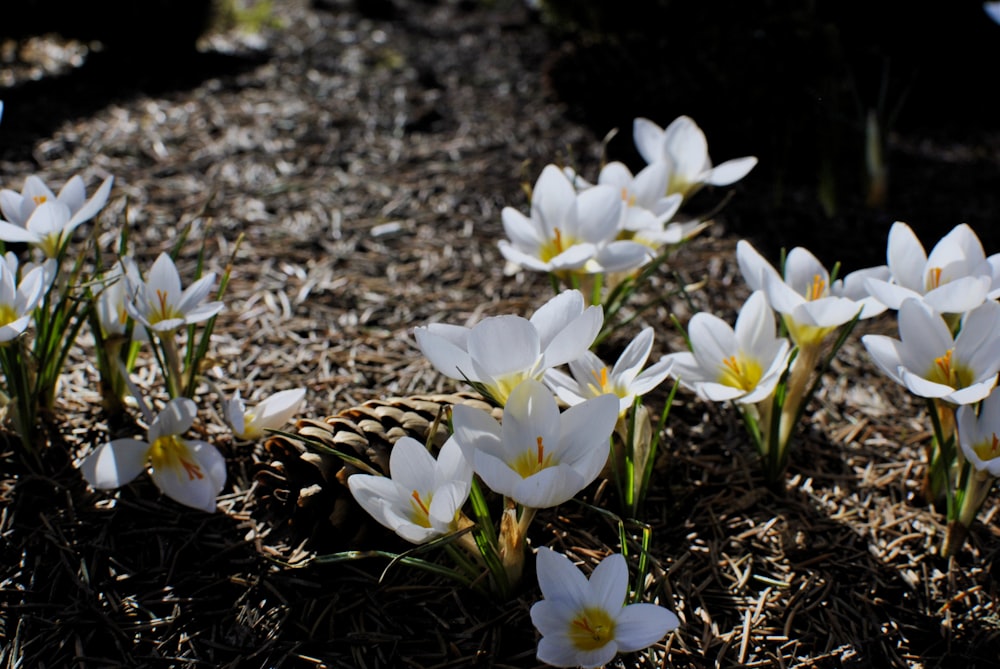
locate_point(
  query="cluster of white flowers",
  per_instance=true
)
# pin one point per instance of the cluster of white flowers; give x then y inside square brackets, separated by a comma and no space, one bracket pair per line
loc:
[129,310]
[622,222]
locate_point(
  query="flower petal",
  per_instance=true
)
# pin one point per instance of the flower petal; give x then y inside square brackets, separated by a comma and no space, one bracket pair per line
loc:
[115,463]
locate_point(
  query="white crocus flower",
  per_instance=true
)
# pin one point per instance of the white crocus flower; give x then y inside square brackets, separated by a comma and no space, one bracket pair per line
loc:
[812,305]
[19,299]
[39,217]
[269,414]
[590,376]
[586,623]
[161,305]
[500,352]
[423,497]
[742,364]
[929,362]
[956,276]
[979,436]
[569,231]
[682,147]
[189,471]
[538,457]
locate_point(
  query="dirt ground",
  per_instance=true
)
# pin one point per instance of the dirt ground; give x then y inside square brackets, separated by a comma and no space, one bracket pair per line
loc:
[360,154]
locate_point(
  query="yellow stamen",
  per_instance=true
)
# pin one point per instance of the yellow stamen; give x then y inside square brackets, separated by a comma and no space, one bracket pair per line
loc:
[421,511]
[39,199]
[742,373]
[817,289]
[950,372]
[602,381]
[933,278]
[533,460]
[592,629]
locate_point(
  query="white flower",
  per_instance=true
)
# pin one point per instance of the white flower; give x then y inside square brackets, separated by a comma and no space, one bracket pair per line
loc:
[742,364]
[270,414]
[161,305]
[500,352]
[537,457]
[569,231]
[590,377]
[811,304]
[191,472]
[929,362]
[956,276]
[39,217]
[423,497]
[585,622]
[979,436]
[18,300]
[682,147]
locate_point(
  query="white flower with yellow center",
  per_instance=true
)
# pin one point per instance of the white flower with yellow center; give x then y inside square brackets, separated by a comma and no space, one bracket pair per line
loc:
[569,231]
[41,218]
[161,305]
[930,362]
[18,300]
[500,352]
[422,497]
[979,436]
[743,364]
[189,471]
[811,305]
[270,414]
[586,623]
[683,149]
[956,276]
[591,378]
[538,457]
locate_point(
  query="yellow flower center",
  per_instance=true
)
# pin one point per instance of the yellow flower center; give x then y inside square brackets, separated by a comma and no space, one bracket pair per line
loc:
[742,373]
[817,288]
[555,246]
[420,509]
[591,629]
[7,314]
[601,386]
[39,199]
[172,452]
[628,198]
[988,450]
[950,372]
[164,310]
[532,461]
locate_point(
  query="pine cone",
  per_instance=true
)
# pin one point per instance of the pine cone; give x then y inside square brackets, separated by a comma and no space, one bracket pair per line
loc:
[302,495]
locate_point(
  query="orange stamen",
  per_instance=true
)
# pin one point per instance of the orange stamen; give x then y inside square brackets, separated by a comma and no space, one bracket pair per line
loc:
[933,277]
[39,199]
[192,469]
[944,363]
[817,289]
[558,240]
[420,502]
[601,378]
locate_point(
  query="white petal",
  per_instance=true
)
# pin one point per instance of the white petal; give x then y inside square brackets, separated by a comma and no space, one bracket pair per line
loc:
[906,258]
[730,171]
[446,347]
[192,489]
[116,463]
[641,625]
[177,417]
[411,465]
[609,584]
[648,138]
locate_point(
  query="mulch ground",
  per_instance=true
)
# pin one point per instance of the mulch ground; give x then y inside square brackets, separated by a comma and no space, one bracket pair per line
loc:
[361,154]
